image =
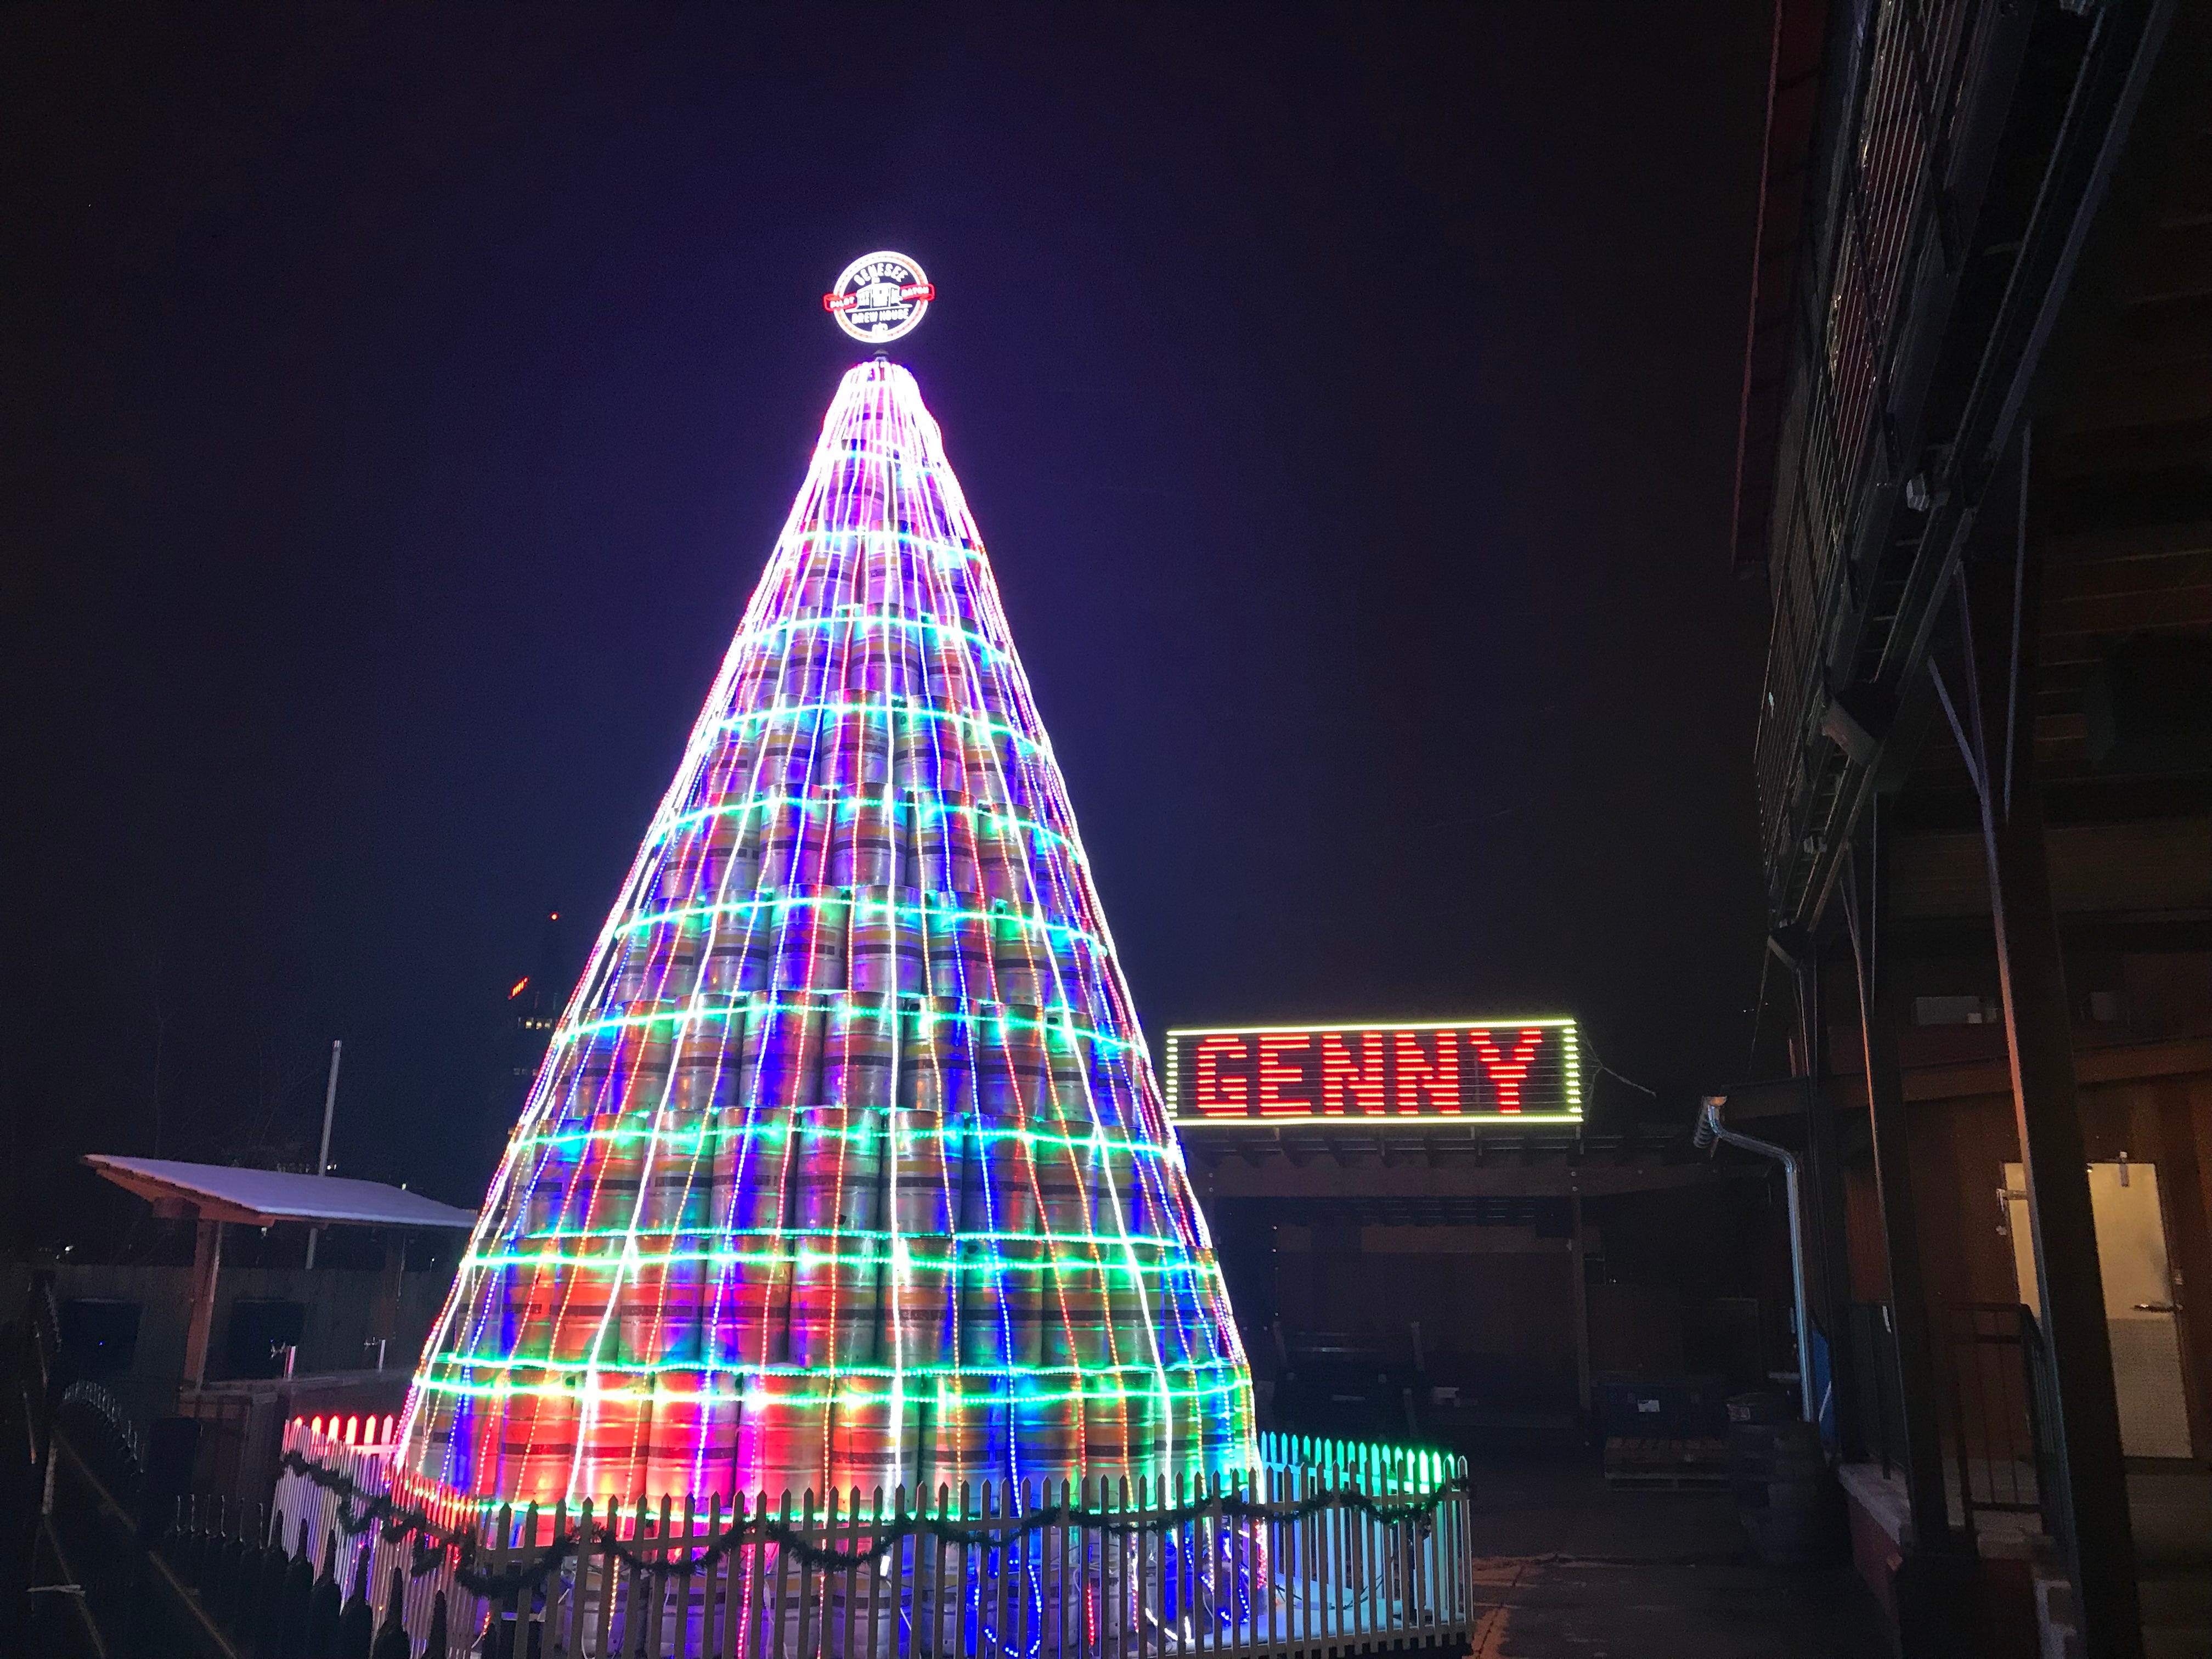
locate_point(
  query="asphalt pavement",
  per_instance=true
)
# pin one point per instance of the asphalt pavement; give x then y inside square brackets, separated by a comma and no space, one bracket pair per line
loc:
[1568,1568]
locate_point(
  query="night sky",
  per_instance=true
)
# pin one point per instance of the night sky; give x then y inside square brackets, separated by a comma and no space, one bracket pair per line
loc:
[400,403]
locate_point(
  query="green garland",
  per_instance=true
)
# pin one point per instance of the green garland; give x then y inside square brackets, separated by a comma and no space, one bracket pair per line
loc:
[396,1522]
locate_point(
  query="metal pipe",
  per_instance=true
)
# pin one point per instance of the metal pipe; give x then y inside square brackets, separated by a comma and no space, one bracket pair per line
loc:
[323,1157]
[1711,1129]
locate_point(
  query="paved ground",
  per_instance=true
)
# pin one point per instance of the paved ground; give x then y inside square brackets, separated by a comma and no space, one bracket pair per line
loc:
[1569,1569]
[2170,1504]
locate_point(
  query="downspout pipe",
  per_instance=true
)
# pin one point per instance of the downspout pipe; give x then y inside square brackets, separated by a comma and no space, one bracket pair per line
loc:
[1711,1131]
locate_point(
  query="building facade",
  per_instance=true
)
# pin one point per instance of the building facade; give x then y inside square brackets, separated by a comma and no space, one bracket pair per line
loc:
[1975,477]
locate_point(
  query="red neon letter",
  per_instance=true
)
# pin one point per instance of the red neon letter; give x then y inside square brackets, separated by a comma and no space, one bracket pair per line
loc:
[1343,1078]
[1274,1074]
[1419,1074]
[1221,1094]
[1508,1072]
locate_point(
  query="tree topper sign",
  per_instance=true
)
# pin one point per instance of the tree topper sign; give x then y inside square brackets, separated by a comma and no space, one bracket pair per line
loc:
[881,297]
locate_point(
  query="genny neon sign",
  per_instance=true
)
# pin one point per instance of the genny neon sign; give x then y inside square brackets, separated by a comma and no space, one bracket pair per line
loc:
[1527,1070]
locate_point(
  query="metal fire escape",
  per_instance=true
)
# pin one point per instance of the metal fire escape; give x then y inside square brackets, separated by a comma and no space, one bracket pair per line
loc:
[1959,150]
[1934,167]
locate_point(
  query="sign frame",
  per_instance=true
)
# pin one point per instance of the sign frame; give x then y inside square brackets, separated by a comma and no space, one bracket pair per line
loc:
[1185,1116]
[909,292]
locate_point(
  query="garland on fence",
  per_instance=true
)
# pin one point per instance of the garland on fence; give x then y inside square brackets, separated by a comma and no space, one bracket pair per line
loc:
[398,1521]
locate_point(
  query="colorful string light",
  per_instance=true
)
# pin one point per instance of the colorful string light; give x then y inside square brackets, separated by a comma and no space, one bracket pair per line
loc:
[846,1165]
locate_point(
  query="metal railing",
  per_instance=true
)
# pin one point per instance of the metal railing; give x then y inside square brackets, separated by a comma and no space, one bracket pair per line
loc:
[1994,1429]
[2003,1406]
[1994,1399]
[96,1589]
[1875,219]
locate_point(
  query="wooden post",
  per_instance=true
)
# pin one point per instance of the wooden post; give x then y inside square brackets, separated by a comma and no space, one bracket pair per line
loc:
[1937,1586]
[2180,1173]
[1824,1194]
[207,1262]
[384,1324]
[1579,1288]
[2000,590]
[1892,1171]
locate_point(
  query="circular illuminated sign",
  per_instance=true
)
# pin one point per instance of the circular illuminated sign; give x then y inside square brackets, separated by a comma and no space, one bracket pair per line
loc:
[881,298]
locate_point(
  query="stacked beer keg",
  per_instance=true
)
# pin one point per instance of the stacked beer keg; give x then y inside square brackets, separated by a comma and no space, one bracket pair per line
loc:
[846,1165]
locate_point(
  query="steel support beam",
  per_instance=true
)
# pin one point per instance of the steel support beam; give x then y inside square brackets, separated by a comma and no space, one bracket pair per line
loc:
[1937,1585]
[1824,1194]
[1879,1020]
[1217,1176]
[1998,592]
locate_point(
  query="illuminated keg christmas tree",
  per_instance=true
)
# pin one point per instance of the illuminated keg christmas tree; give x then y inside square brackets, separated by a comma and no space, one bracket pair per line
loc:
[846,1165]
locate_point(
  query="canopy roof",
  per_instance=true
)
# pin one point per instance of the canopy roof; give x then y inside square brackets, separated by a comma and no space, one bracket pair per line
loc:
[219,1192]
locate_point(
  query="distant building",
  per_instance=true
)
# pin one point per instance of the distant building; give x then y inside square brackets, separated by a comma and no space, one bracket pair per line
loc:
[533,1008]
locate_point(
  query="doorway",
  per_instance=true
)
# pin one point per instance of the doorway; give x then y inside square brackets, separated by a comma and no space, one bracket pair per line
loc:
[2140,1308]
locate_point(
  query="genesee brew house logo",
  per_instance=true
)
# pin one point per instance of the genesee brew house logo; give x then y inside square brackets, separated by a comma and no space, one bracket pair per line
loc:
[880,297]
[1478,1068]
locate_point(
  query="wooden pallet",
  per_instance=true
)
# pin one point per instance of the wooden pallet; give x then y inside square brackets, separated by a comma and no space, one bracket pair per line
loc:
[1641,1465]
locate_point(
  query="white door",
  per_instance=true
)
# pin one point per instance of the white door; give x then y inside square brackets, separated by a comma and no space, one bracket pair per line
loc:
[2139,1300]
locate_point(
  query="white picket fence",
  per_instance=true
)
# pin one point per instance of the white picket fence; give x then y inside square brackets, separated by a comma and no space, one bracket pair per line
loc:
[362,1449]
[1142,1570]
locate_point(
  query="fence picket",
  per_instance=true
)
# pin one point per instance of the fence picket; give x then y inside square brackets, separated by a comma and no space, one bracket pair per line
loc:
[634,1578]
[1191,1599]
[1267,1546]
[803,1603]
[997,1498]
[1150,1608]
[928,1550]
[1129,1610]
[1217,1550]
[879,1567]
[1304,1531]
[1228,1614]
[1092,1493]
[1028,1546]
[848,1542]
[1332,1549]
[1172,1497]
[755,1635]
[581,1523]
[970,1512]
[633,1575]
[717,1603]
[1220,1589]
[1301,1531]
[1363,1607]
[609,1572]
[814,1640]
[851,1591]
[496,1558]
[1002,1609]
[688,1577]
[1129,1605]
[1187,1492]
[1055,1554]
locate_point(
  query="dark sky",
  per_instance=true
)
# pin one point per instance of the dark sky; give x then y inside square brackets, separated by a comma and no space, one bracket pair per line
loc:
[399,403]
